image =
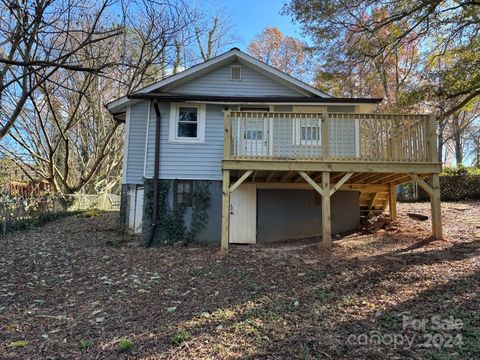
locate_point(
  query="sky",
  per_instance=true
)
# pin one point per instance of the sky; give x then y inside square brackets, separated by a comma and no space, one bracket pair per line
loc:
[250,17]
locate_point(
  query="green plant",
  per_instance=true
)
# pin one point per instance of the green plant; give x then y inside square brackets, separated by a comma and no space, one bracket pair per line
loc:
[37,220]
[172,218]
[390,320]
[179,337]
[326,294]
[19,343]
[125,345]
[89,213]
[85,345]
[460,170]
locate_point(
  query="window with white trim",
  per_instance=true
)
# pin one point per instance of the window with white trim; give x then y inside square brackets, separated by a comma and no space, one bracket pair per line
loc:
[308,132]
[236,72]
[187,123]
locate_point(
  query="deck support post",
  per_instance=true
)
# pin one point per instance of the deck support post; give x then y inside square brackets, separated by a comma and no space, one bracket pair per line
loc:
[225,210]
[433,191]
[325,192]
[326,217]
[392,201]
[436,208]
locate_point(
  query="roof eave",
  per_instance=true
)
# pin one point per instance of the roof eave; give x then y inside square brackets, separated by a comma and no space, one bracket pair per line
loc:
[257,99]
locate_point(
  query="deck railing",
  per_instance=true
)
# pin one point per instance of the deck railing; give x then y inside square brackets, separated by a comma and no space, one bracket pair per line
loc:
[329,136]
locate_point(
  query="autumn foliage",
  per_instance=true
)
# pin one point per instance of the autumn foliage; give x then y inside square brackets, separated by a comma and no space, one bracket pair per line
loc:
[280,51]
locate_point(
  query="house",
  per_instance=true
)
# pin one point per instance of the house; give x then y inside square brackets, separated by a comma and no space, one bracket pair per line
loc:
[18,181]
[235,151]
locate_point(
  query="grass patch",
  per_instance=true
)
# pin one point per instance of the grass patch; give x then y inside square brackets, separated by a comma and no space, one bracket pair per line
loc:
[180,337]
[390,320]
[90,213]
[325,294]
[124,345]
[85,345]
[19,343]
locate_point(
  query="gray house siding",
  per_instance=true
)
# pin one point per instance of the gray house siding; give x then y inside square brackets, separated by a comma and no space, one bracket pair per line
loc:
[135,149]
[187,161]
[203,161]
[341,139]
[218,82]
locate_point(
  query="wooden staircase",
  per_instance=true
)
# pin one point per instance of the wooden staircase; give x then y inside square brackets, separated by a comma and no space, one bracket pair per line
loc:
[373,203]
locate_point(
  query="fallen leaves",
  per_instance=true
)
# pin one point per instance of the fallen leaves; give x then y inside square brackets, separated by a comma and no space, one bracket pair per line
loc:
[67,294]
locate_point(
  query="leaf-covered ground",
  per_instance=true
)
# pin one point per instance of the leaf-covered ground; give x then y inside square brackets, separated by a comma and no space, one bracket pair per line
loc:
[75,288]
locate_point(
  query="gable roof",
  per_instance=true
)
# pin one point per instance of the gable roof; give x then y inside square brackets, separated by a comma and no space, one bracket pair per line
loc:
[200,69]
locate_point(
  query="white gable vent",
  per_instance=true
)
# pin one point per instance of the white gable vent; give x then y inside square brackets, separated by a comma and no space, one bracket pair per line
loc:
[236,72]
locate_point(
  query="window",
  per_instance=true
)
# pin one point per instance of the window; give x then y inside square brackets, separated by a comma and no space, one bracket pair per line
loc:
[308,132]
[187,123]
[183,193]
[236,72]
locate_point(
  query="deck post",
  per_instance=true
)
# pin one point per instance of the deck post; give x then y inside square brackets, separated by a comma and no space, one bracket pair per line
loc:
[225,210]
[227,140]
[326,217]
[324,136]
[392,201]
[435,203]
[432,139]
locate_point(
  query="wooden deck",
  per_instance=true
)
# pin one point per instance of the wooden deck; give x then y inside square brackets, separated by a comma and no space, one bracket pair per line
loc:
[369,153]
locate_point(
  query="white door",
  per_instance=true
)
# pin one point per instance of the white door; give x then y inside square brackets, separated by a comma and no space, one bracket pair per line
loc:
[138,211]
[255,137]
[132,200]
[243,215]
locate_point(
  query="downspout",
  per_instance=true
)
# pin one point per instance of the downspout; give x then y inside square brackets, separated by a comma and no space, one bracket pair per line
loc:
[156,167]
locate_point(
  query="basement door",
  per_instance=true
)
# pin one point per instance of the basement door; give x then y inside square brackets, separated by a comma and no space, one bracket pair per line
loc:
[243,215]
[138,211]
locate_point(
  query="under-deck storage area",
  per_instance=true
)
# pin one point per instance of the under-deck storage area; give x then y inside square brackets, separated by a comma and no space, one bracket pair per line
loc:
[285,214]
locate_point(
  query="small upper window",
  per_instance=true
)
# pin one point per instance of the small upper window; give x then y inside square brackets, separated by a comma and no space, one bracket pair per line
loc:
[187,123]
[236,72]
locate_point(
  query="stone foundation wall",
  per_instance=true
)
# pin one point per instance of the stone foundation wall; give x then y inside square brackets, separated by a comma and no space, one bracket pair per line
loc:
[197,223]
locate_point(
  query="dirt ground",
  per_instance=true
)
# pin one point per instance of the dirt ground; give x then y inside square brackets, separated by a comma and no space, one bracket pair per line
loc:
[76,288]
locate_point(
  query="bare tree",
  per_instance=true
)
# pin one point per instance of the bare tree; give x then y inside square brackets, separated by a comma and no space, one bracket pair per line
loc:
[64,132]
[212,33]
[473,139]
[39,37]
[461,132]
[213,38]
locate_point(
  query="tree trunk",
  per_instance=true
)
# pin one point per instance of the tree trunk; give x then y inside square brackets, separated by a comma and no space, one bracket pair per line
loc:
[457,138]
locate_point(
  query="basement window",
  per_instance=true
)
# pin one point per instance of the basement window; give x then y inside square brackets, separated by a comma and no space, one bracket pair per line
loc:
[183,193]
[236,73]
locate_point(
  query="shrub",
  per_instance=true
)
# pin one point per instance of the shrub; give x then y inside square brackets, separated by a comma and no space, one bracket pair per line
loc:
[460,170]
[37,220]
